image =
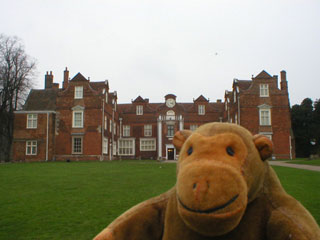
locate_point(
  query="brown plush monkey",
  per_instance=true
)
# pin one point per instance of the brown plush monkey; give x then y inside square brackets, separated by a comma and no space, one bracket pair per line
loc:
[225,190]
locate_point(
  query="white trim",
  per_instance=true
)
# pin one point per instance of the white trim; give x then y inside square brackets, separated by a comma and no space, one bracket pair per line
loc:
[78,94]
[153,145]
[32,145]
[149,130]
[80,137]
[33,118]
[132,140]
[268,111]
[264,90]
[73,118]
[201,109]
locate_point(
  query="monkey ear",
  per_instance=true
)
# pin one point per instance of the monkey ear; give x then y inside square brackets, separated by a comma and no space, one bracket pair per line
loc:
[180,137]
[264,146]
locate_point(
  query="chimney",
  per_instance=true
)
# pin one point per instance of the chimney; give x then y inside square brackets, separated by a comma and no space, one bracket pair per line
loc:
[65,78]
[48,80]
[284,83]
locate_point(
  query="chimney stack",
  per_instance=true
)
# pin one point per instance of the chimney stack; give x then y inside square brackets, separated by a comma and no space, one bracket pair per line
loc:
[48,80]
[283,83]
[65,78]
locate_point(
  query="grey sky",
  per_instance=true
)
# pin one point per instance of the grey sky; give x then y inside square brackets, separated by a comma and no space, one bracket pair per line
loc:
[187,47]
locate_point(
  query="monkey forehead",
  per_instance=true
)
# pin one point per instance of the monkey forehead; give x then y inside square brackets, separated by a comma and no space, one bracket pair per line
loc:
[217,128]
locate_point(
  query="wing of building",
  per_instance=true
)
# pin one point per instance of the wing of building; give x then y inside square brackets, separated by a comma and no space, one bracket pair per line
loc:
[83,121]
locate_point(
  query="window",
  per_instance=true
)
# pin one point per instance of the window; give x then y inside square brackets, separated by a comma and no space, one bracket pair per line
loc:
[110,126]
[126,130]
[236,119]
[31,148]
[201,110]
[105,122]
[76,145]
[78,92]
[147,130]
[126,147]
[107,97]
[147,144]
[265,117]
[32,120]
[234,96]
[77,119]
[193,127]
[267,134]
[139,110]
[105,145]
[170,130]
[264,90]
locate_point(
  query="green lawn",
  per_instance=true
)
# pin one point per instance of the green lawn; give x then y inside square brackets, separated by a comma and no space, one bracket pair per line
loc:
[76,200]
[315,162]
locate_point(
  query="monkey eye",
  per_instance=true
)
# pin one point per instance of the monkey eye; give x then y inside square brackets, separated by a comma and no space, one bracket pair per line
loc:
[190,150]
[230,151]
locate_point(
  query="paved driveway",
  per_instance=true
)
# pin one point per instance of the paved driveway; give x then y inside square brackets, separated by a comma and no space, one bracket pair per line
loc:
[292,165]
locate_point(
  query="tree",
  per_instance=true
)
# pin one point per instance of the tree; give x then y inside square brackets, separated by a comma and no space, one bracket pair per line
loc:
[17,70]
[305,120]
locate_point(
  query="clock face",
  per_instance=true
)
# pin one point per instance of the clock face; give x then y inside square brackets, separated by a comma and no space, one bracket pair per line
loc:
[170,102]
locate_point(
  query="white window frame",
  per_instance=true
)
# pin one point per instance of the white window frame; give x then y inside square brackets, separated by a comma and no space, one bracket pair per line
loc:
[265,116]
[169,135]
[264,90]
[139,110]
[126,147]
[32,121]
[267,134]
[147,130]
[126,131]
[105,123]
[147,144]
[105,145]
[31,147]
[193,127]
[74,147]
[201,109]
[78,92]
[74,123]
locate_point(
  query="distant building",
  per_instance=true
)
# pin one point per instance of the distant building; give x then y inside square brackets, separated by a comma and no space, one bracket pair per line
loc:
[83,121]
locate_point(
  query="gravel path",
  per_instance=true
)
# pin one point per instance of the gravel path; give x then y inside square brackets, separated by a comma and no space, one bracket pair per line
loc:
[292,165]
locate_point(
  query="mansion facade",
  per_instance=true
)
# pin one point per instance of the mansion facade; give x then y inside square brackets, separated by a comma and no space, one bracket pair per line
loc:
[82,120]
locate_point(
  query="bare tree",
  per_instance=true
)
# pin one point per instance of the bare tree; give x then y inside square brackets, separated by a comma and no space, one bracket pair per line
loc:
[17,70]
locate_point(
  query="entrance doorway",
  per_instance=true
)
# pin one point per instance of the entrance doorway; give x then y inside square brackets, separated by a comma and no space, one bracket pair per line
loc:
[170,153]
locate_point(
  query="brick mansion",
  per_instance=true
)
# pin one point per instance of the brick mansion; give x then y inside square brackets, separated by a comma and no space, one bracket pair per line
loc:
[82,120]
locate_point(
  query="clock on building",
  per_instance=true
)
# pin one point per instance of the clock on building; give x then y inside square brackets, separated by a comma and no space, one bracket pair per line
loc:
[170,102]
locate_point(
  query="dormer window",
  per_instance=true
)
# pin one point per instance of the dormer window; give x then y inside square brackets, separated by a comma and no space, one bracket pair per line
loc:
[139,110]
[78,92]
[264,90]
[201,109]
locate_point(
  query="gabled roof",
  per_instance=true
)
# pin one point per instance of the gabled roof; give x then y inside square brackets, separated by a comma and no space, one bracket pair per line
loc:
[40,100]
[263,74]
[139,99]
[78,77]
[244,84]
[201,98]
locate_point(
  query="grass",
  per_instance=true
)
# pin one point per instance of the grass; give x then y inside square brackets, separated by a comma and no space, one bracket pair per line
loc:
[314,162]
[77,200]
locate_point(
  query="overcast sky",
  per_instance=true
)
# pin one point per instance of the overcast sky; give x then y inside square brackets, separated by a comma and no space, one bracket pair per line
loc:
[185,47]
